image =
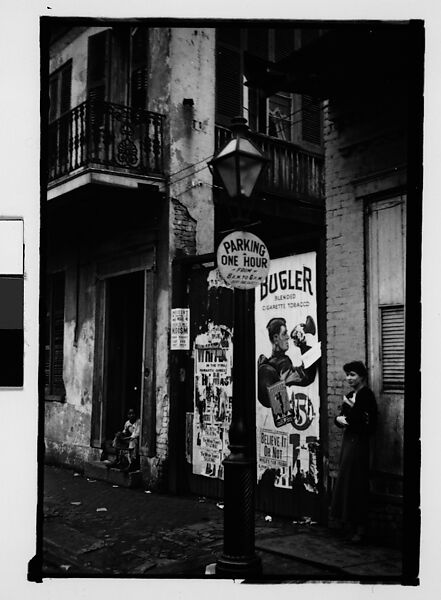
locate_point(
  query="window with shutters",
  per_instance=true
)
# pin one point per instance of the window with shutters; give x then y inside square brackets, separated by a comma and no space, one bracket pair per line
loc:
[54,338]
[138,67]
[60,86]
[271,116]
[286,116]
[229,84]
[386,269]
[98,78]
[98,64]
[311,120]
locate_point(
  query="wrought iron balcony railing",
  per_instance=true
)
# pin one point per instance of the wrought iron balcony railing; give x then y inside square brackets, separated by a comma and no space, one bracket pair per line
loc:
[107,135]
[291,171]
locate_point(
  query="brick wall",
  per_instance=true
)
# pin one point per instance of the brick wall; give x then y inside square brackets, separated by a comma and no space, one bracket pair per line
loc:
[345,286]
[361,145]
[184,228]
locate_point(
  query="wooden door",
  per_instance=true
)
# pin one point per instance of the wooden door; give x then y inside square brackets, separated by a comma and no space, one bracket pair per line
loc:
[386,331]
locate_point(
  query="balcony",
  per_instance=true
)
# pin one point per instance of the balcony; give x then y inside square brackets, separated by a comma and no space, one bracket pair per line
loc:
[292,171]
[106,136]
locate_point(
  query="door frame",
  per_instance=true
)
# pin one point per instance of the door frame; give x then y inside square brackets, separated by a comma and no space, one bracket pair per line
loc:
[114,268]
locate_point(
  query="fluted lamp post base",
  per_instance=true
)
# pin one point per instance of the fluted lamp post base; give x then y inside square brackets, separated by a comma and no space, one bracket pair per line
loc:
[239,560]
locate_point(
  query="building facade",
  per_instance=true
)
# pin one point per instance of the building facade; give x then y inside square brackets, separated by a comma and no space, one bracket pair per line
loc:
[372,139]
[132,217]
[119,135]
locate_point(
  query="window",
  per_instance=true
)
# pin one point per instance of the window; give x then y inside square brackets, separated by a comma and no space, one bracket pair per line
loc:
[311,120]
[54,338]
[138,67]
[60,83]
[98,64]
[279,116]
[271,116]
[229,93]
[242,54]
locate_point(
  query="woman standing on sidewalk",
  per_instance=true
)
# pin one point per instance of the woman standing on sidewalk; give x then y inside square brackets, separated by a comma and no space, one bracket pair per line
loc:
[358,417]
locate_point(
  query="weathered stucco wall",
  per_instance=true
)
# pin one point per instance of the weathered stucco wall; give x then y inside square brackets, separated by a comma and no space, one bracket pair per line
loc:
[181,66]
[192,62]
[68,423]
[74,47]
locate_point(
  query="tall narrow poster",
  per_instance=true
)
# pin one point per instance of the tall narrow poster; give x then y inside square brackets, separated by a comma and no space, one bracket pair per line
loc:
[213,361]
[288,348]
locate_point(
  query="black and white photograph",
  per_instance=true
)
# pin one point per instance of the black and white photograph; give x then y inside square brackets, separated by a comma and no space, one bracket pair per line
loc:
[228,275]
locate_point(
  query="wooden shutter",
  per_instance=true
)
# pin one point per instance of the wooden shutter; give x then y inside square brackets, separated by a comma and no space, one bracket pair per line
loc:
[53,98]
[139,69]
[228,75]
[228,83]
[58,334]
[60,86]
[54,346]
[97,65]
[99,379]
[311,120]
[392,347]
[65,88]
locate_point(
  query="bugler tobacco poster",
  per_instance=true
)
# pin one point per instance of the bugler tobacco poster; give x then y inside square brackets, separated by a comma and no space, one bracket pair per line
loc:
[287,350]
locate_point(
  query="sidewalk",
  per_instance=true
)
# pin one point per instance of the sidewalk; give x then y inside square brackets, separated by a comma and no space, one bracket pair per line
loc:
[92,528]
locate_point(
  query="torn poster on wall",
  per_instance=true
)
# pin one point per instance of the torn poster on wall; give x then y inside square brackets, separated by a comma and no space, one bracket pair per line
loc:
[287,350]
[180,329]
[213,361]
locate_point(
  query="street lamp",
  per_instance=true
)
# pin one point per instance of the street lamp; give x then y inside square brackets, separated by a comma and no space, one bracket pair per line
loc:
[239,164]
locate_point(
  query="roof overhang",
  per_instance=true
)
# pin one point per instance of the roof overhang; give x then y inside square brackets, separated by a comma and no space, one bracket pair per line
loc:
[349,59]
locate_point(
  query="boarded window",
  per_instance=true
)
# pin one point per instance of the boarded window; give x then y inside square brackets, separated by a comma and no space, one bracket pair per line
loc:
[54,337]
[392,347]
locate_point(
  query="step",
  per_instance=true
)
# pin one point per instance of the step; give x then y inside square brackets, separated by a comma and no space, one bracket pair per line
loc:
[98,470]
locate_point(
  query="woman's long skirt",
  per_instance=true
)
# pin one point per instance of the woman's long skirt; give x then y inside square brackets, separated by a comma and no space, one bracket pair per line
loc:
[350,498]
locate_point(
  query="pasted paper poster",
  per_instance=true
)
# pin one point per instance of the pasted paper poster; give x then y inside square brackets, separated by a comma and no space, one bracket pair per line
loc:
[213,361]
[180,329]
[287,351]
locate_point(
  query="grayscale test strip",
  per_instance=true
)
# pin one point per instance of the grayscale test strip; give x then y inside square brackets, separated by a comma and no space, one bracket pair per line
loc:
[11,302]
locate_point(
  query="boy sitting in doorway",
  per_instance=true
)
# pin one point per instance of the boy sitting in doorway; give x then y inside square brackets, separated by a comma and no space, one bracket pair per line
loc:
[126,444]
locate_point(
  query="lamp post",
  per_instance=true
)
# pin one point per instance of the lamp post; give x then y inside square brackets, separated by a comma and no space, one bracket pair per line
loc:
[239,164]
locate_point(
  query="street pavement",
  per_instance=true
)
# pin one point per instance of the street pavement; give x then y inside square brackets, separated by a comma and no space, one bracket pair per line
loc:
[92,528]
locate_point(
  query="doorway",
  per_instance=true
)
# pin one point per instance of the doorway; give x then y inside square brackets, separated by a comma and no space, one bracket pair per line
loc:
[123,350]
